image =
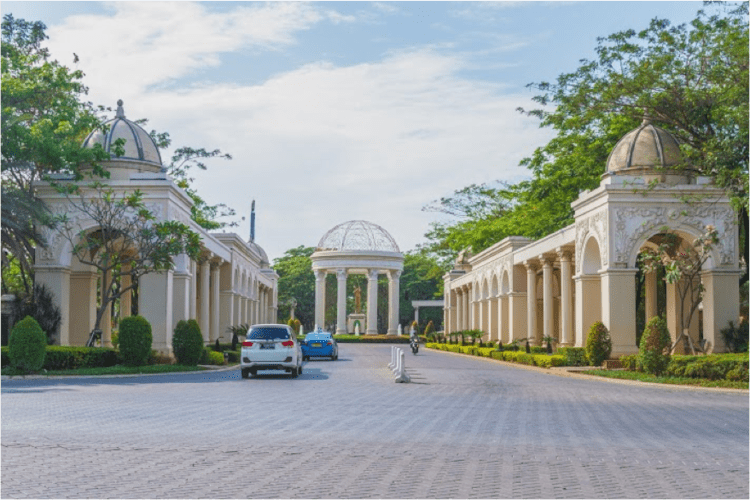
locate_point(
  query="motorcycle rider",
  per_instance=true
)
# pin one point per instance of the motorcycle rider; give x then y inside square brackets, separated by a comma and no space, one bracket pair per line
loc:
[413,340]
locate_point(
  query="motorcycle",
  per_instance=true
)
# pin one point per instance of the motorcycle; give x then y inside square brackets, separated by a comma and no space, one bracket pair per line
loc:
[414,344]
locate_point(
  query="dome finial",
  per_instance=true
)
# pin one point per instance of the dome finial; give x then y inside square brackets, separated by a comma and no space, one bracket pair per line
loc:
[120,111]
[646,119]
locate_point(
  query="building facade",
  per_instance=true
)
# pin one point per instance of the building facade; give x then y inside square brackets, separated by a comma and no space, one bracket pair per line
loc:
[558,286]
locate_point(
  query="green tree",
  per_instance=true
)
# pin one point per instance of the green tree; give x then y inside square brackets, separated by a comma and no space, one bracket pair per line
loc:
[44,121]
[421,279]
[128,239]
[297,281]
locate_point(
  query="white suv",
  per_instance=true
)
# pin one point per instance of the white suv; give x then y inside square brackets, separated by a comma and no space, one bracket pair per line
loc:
[270,347]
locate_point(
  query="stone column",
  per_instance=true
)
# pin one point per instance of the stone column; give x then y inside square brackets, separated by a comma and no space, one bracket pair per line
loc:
[530,301]
[566,300]
[155,304]
[341,302]
[651,295]
[126,299]
[106,322]
[588,305]
[517,315]
[394,278]
[82,300]
[372,302]
[58,281]
[459,310]
[548,302]
[721,301]
[193,290]
[320,298]
[467,309]
[205,315]
[492,316]
[181,306]
[618,309]
[262,306]
[215,302]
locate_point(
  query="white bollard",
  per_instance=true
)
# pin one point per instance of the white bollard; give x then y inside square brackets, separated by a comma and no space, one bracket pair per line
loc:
[392,364]
[397,361]
[401,376]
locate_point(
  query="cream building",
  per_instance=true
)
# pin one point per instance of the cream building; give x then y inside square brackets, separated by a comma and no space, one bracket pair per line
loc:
[231,284]
[558,286]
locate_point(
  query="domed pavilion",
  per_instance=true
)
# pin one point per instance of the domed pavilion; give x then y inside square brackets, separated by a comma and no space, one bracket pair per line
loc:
[358,247]
[230,284]
[558,286]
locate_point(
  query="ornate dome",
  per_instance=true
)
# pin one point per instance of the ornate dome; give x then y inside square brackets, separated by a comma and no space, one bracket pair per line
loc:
[358,235]
[139,145]
[645,149]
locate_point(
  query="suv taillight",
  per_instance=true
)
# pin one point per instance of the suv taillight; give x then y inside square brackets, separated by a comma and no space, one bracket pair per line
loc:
[288,343]
[328,343]
[247,344]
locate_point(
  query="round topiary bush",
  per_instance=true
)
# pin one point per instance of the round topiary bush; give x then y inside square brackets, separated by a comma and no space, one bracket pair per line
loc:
[187,342]
[598,344]
[135,340]
[653,353]
[27,345]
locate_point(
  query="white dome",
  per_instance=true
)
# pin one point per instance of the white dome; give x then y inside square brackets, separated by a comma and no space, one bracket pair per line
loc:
[358,235]
[645,149]
[139,145]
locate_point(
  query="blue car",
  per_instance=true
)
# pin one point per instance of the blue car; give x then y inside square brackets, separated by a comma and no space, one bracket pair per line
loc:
[319,344]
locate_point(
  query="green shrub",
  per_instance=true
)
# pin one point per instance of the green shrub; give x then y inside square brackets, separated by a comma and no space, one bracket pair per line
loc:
[40,305]
[70,358]
[115,339]
[4,357]
[736,337]
[187,342]
[525,358]
[712,367]
[598,344]
[205,356]
[653,353]
[214,358]
[26,345]
[574,356]
[485,351]
[135,340]
[537,349]
[629,362]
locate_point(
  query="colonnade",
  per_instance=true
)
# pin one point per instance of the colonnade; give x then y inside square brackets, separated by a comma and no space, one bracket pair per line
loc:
[372,299]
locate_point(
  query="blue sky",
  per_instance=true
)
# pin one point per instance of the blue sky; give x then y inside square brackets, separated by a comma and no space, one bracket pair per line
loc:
[335,111]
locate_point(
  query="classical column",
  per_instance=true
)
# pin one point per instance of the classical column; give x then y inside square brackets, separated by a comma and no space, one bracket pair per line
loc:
[82,300]
[721,301]
[459,311]
[493,333]
[126,299]
[215,302]
[262,317]
[651,295]
[155,304]
[566,300]
[205,317]
[618,309]
[193,289]
[341,301]
[320,298]
[181,306]
[58,281]
[467,310]
[372,302]
[530,301]
[394,278]
[548,303]
[106,322]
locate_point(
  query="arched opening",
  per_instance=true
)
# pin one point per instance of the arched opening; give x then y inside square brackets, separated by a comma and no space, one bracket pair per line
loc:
[588,290]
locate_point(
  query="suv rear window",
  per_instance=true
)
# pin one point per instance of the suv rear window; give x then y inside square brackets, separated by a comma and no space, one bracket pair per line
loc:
[268,333]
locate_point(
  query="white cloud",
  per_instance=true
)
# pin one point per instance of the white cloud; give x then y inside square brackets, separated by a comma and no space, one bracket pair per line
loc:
[316,145]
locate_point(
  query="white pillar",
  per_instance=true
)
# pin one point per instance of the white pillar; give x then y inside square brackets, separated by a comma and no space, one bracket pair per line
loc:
[181,306]
[205,315]
[215,302]
[58,282]
[721,301]
[126,299]
[651,295]
[320,297]
[81,299]
[566,300]
[493,331]
[467,310]
[459,311]
[341,301]
[372,302]
[155,304]
[530,301]
[106,322]
[548,304]
[393,302]
[193,290]
[618,309]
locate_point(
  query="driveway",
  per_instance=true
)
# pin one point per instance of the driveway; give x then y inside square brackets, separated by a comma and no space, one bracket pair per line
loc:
[465,428]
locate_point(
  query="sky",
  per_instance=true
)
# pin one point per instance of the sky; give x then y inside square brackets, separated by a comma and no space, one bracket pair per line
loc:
[336,111]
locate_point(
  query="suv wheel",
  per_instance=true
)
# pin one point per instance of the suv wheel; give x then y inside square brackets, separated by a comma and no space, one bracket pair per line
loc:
[245,372]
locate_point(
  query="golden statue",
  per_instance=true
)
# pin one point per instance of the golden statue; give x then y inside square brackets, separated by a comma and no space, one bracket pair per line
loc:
[357,300]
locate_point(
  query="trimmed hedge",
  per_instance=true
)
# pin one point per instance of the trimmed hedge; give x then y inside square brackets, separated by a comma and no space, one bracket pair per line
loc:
[574,356]
[135,340]
[27,345]
[70,358]
[712,367]
[541,360]
[373,339]
[598,344]
[187,342]
[653,353]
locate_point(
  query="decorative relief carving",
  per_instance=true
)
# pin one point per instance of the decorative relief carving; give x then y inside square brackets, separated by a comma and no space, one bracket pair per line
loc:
[633,223]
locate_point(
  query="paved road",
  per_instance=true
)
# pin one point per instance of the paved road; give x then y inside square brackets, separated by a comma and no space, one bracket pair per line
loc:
[467,428]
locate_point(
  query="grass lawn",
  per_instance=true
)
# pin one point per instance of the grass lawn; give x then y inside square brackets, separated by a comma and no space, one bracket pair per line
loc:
[645,377]
[111,370]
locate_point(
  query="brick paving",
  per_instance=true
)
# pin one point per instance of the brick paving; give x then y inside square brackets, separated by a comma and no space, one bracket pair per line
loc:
[467,428]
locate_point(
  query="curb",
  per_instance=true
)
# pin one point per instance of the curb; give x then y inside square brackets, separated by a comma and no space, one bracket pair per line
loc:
[211,368]
[574,372]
